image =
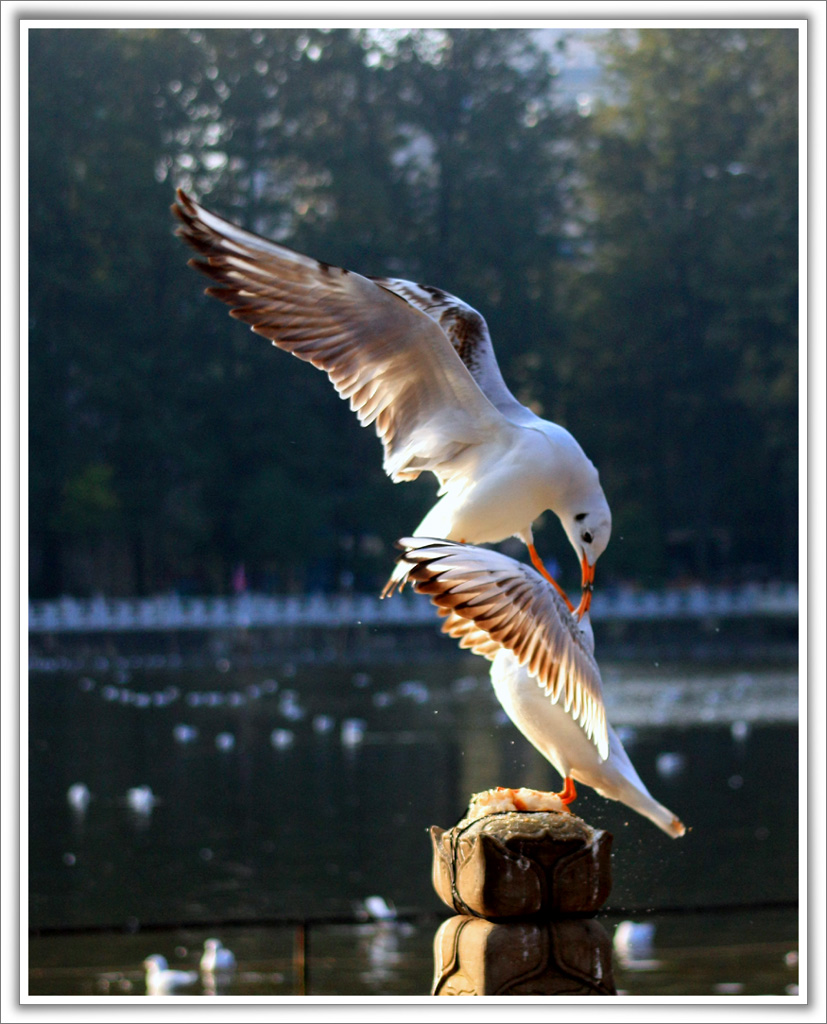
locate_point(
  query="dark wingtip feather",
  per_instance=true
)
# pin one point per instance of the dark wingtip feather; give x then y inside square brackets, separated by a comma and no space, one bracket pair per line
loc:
[183,208]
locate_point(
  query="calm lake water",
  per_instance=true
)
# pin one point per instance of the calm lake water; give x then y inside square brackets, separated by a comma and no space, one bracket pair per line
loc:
[297,792]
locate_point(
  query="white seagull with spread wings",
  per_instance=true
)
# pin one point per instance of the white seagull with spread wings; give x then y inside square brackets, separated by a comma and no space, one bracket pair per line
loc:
[543,668]
[418,364]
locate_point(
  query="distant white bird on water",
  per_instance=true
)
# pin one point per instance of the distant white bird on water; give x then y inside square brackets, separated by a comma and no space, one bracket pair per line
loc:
[161,980]
[225,741]
[141,799]
[216,957]
[78,796]
[185,733]
[543,672]
[379,908]
[633,942]
[417,363]
[352,731]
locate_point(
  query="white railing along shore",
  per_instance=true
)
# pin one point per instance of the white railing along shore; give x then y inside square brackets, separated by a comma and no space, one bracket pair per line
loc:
[171,612]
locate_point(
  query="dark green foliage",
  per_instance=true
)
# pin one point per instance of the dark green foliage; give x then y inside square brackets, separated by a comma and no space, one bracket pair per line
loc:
[637,270]
[686,313]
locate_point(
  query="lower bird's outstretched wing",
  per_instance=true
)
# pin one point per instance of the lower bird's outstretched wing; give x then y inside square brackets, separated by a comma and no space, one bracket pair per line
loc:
[492,601]
[470,636]
[389,359]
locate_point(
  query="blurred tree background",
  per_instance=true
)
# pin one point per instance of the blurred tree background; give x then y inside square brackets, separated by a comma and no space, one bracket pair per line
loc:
[638,268]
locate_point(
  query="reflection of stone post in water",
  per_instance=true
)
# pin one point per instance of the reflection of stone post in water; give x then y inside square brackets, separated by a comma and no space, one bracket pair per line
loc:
[523,884]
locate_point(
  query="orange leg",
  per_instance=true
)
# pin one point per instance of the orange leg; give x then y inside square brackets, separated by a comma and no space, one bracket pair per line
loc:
[568,794]
[538,565]
[588,587]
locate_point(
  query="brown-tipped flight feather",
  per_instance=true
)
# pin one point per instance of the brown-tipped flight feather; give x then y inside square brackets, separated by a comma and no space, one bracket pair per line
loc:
[377,348]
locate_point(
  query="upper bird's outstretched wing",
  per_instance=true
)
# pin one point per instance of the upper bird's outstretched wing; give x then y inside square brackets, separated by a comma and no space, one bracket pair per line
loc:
[392,362]
[491,601]
[468,332]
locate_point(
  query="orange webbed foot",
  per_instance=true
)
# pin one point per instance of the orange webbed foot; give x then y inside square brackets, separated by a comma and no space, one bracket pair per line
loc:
[568,794]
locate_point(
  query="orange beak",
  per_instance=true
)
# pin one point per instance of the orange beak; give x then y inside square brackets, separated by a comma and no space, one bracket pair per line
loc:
[588,586]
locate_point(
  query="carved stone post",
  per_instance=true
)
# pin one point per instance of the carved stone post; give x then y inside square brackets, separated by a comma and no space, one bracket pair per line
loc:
[524,885]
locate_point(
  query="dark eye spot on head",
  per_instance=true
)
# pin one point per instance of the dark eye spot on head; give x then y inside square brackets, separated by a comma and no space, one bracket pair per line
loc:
[586,537]
[581,516]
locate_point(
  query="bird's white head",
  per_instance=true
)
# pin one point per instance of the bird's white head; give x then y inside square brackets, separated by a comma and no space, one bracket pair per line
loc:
[589,529]
[573,492]
[588,525]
